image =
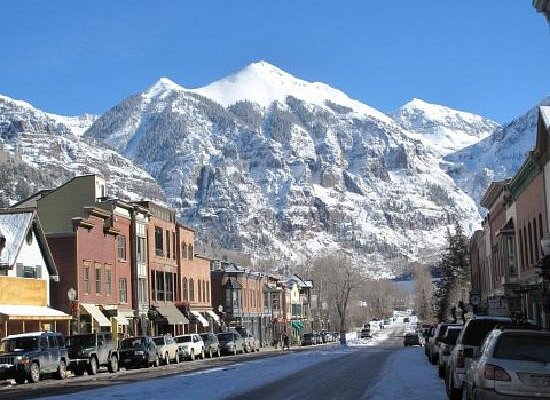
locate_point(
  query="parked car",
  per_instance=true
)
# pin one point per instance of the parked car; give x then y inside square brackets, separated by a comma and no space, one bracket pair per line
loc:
[510,364]
[31,356]
[446,346]
[211,344]
[190,346]
[308,339]
[138,351]
[231,343]
[428,333]
[90,351]
[365,332]
[467,343]
[433,343]
[253,342]
[167,348]
[411,339]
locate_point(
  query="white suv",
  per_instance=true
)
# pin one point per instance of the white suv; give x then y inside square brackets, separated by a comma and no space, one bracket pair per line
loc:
[190,346]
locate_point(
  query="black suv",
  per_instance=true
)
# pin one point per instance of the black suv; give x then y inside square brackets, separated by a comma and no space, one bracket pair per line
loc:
[89,351]
[29,356]
[139,351]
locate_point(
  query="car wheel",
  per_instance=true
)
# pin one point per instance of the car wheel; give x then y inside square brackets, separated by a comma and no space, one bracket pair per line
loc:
[92,366]
[219,352]
[210,352]
[203,355]
[452,393]
[177,360]
[34,374]
[441,371]
[235,351]
[113,365]
[192,355]
[157,361]
[20,379]
[62,370]
[166,359]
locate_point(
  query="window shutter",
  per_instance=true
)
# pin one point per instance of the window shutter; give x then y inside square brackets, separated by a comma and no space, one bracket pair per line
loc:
[19,270]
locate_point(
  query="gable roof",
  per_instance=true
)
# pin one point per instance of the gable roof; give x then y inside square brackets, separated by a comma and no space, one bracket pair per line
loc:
[15,223]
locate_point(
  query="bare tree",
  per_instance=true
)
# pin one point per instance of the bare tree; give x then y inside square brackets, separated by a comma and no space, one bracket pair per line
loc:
[423,289]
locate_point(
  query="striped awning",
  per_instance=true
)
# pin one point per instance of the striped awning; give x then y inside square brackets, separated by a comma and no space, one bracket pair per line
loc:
[96,314]
[172,314]
[201,319]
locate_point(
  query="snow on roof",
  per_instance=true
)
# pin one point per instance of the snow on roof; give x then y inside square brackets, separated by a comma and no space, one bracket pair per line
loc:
[545,113]
[14,227]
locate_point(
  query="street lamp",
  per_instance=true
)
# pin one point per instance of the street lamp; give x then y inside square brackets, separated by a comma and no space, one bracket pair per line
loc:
[73,304]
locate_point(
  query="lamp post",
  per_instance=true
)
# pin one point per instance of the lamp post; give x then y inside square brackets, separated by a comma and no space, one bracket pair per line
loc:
[222,322]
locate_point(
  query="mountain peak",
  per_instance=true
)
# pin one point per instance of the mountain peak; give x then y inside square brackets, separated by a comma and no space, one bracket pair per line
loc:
[264,83]
[162,87]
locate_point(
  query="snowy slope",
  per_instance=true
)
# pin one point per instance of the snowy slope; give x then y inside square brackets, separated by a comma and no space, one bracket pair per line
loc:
[266,164]
[40,150]
[496,157]
[442,128]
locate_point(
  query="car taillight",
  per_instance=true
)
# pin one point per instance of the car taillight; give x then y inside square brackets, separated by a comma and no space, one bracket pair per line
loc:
[496,373]
[460,359]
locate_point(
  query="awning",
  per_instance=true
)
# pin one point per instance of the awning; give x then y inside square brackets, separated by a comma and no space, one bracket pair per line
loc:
[172,314]
[297,324]
[122,320]
[213,315]
[96,314]
[201,319]
[128,314]
[27,312]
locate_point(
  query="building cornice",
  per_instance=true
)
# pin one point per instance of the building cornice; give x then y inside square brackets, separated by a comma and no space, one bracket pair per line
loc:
[525,175]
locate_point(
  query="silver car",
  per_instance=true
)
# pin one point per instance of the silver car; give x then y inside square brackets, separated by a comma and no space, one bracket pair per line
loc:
[446,346]
[510,364]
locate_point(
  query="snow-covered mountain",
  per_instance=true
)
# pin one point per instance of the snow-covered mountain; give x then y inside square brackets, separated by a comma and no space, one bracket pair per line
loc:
[267,164]
[40,151]
[442,128]
[497,156]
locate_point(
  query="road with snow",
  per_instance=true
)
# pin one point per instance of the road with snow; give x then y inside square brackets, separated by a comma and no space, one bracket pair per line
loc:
[379,369]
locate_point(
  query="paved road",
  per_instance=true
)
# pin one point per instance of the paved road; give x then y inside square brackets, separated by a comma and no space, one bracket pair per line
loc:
[350,376]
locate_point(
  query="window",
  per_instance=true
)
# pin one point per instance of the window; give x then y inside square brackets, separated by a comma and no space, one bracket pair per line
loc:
[174,245]
[122,291]
[200,290]
[207,291]
[121,247]
[86,277]
[537,242]
[204,291]
[153,286]
[191,290]
[529,229]
[142,290]
[141,249]
[184,251]
[160,286]
[168,244]
[191,252]
[184,289]
[108,280]
[159,250]
[97,278]
[169,286]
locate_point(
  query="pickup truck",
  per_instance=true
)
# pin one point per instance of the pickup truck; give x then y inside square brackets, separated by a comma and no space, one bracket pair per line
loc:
[90,351]
[168,349]
[30,356]
[190,346]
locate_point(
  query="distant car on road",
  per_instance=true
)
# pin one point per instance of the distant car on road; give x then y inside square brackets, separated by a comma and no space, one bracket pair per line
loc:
[411,339]
[167,348]
[308,339]
[190,346]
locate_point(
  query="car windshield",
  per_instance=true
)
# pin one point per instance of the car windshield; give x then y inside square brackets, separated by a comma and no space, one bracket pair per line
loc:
[82,340]
[523,347]
[452,335]
[205,336]
[225,337]
[477,329]
[19,344]
[130,343]
[308,335]
[158,340]
[183,339]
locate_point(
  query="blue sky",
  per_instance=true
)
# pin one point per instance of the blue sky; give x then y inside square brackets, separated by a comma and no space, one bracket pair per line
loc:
[484,56]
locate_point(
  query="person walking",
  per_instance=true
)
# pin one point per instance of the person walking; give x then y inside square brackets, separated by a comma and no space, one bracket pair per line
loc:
[286,342]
